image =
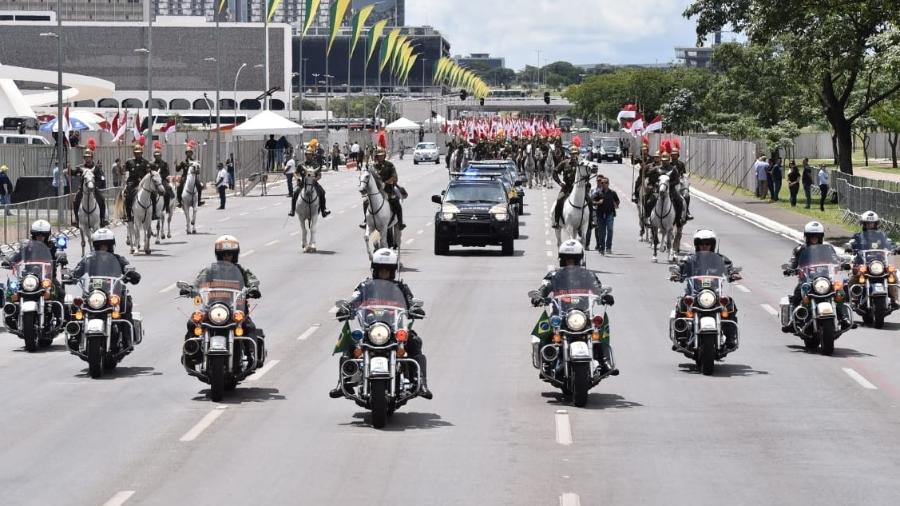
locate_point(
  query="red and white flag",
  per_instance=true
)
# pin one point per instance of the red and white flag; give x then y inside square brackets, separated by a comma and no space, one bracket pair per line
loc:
[169,128]
[136,129]
[629,111]
[114,125]
[637,126]
[655,125]
[119,125]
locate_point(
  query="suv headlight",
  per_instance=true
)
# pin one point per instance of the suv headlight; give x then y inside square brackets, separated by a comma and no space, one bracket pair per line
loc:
[218,314]
[876,268]
[30,283]
[499,212]
[706,299]
[821,286]
[449,212]
[96,300]
[379,334]
[576,320]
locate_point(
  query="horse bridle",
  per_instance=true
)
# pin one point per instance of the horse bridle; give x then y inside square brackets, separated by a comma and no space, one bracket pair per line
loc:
[370,195]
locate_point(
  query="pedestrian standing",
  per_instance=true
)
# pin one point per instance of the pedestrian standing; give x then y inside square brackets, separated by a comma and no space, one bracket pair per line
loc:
[335,156]
[290,168]
[270,146]
[793,182]
[823,187]
[762,177]
[229,166]
[605,201]
[116,173]
[807,180]
[6,189]
[354,153]
[777,178]
[222,184]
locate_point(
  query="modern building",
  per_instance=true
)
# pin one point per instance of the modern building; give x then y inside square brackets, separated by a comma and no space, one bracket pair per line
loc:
[292,12]
[481,59]
[83,10]
[698,57]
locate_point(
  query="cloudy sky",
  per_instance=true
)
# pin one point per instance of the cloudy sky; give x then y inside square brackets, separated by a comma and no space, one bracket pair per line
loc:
[578,31]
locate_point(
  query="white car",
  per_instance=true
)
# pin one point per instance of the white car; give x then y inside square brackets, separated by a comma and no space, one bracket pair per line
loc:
[426,152]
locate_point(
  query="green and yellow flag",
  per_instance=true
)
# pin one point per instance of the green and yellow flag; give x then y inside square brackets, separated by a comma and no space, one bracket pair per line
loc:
[604,328]
[374,35]
[344,341]
[409,66]
[335,18]
[312,9]
[439,67]
[399,46]
[273,6]
[387,49]
[542,329]
[222,5]
[358,22]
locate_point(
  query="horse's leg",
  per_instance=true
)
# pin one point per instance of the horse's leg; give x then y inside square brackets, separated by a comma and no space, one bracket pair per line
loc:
[312,231]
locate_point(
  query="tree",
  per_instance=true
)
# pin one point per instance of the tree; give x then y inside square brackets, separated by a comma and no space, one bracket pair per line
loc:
[500,77]
[887,115]
[680,112]
[839,45]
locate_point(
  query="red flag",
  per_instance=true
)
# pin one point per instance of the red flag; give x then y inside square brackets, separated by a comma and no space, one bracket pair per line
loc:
[136,129]
[655,125]
[169,127]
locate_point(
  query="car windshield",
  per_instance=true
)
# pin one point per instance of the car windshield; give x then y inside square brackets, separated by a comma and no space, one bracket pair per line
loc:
[475,193]
[425,145]
[610,144]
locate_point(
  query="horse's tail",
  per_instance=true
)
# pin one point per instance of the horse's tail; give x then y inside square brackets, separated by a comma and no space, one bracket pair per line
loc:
[375,237]
[119,206]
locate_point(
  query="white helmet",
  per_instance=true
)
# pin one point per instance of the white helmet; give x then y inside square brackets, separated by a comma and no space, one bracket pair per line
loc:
[385,258]
[40,227]
[104,235]
[227,244]
[869,217]
[705,236]
[570,249]
[814,229]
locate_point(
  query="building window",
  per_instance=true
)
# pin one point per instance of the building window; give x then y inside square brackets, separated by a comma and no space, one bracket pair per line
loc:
[179,104]
[85,103]
[226,103]
[250,104]
[132,103]
[277,105]
[108,103]
[158,103]
[201,103]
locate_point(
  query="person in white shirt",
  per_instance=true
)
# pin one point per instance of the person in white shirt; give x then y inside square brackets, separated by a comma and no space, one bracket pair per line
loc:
[222,184]
[290,168]
[354,152]
[823,187]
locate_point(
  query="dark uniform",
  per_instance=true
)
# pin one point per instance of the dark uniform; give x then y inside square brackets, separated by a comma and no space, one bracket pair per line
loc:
[182,170]
[682,173]
[99,184]
[687,269]
[83,268]
[300,175]
[564,175]
[674,174]
[388,175]
[162,167]
[137,168]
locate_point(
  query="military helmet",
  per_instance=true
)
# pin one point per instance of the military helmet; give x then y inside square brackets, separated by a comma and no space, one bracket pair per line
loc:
[573,149]
[379,151]
[138,147]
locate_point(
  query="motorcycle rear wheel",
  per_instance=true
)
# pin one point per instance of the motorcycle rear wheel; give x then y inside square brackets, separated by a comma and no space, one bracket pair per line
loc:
[378,403]
[29,332]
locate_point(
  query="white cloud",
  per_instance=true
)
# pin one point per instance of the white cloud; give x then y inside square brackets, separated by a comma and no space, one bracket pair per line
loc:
[579,31]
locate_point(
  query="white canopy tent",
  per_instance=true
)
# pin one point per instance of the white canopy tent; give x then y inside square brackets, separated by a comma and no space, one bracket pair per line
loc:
[267,123]
[402,124]
[435,121]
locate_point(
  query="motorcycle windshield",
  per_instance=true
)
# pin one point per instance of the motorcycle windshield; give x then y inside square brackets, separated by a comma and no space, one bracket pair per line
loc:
[102,272]
[220,282]
[574,288]
[36,259]
[818,260]
[381,301]
[706,271]
[872,239]
[873,255]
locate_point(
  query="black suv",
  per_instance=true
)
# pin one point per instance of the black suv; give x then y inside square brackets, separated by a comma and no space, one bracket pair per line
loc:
[474,213]
[610,150]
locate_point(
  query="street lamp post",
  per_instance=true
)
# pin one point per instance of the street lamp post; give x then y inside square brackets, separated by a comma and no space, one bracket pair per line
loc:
[327,111]
[218,112]
[149,139]
[60,148]
[236,74]
[302,84]
[291,94]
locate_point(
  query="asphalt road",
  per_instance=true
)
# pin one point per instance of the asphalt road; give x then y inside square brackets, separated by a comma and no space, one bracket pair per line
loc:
[774,425]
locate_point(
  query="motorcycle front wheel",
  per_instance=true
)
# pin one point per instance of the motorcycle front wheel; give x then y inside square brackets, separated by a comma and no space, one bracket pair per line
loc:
[95,355]
[216,372]
[826,333]
[708,350]
[378,403]
[29,332]
[879,310]
[581,383]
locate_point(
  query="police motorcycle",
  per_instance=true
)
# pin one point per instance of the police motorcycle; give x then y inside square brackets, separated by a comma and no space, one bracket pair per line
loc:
[702,327]
[822,312]
[568,358]
[873,279]
[222,349]
[30,311]
[102,329]
[378,375]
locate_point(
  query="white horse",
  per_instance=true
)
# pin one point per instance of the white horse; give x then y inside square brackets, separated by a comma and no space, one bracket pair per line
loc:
[88,211]
[662,220]
[142,212]
[308,209]
[549,165]
[576,215]
[530,166]
[379,218]
[190,198]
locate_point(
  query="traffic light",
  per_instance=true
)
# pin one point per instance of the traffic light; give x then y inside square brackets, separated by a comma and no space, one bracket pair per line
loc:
[463,94]
[547,97]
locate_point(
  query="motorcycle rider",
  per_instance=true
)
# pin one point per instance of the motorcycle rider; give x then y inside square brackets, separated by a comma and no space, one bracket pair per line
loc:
[104,240]
[566,170]
[162,167]
[301,174]
[872,238]
[388,175]
[384,267]
[705,241]
[571,255]
[813,234]
[137,168]
[99,183]
[227,249]
[40,233]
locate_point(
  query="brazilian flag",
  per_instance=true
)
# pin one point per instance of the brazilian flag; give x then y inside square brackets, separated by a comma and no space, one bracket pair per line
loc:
[345,341]
[604,328]
[542,329]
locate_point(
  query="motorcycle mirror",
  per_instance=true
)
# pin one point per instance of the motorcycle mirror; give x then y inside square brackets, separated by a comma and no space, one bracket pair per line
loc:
[534,294]
[846,266]
[418,303]
[129,268]
[737,270]
[436,199]
[785,267]
[184,287]
[341,303]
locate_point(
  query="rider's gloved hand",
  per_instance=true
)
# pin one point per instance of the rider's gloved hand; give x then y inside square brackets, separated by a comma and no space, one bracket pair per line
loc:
[607,299]
[253,293]
[787,272]
[133,277]
[535,301]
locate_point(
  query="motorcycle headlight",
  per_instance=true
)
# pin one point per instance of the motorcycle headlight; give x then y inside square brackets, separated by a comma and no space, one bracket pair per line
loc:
[96,300]
[379,334]
[876,268]
[707,299]
[576,320]
[218,314]
[821,286]
[30,283]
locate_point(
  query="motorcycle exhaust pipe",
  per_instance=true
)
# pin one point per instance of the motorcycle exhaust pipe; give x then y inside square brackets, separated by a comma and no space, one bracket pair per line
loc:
[9,309]
[191,347]
[801,313]
[550,353]
[73,329]
[681,326]
[349,368]
[856,291]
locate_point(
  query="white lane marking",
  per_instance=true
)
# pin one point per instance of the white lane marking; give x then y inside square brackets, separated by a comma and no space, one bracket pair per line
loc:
[266,368]
[273,243]
[308,332]
[548,242]
[223,220]
[549,253]
[203,424]
[263,208]
[168,288]
[297,232]
[249,253]
[120,498]
[342,211]
[428,224]
[420,231]
[769,309]
[742,288]
[333,309]
[244,214]
[569,499]
[859,379]
[354,206]
[409,241]
[563,427]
